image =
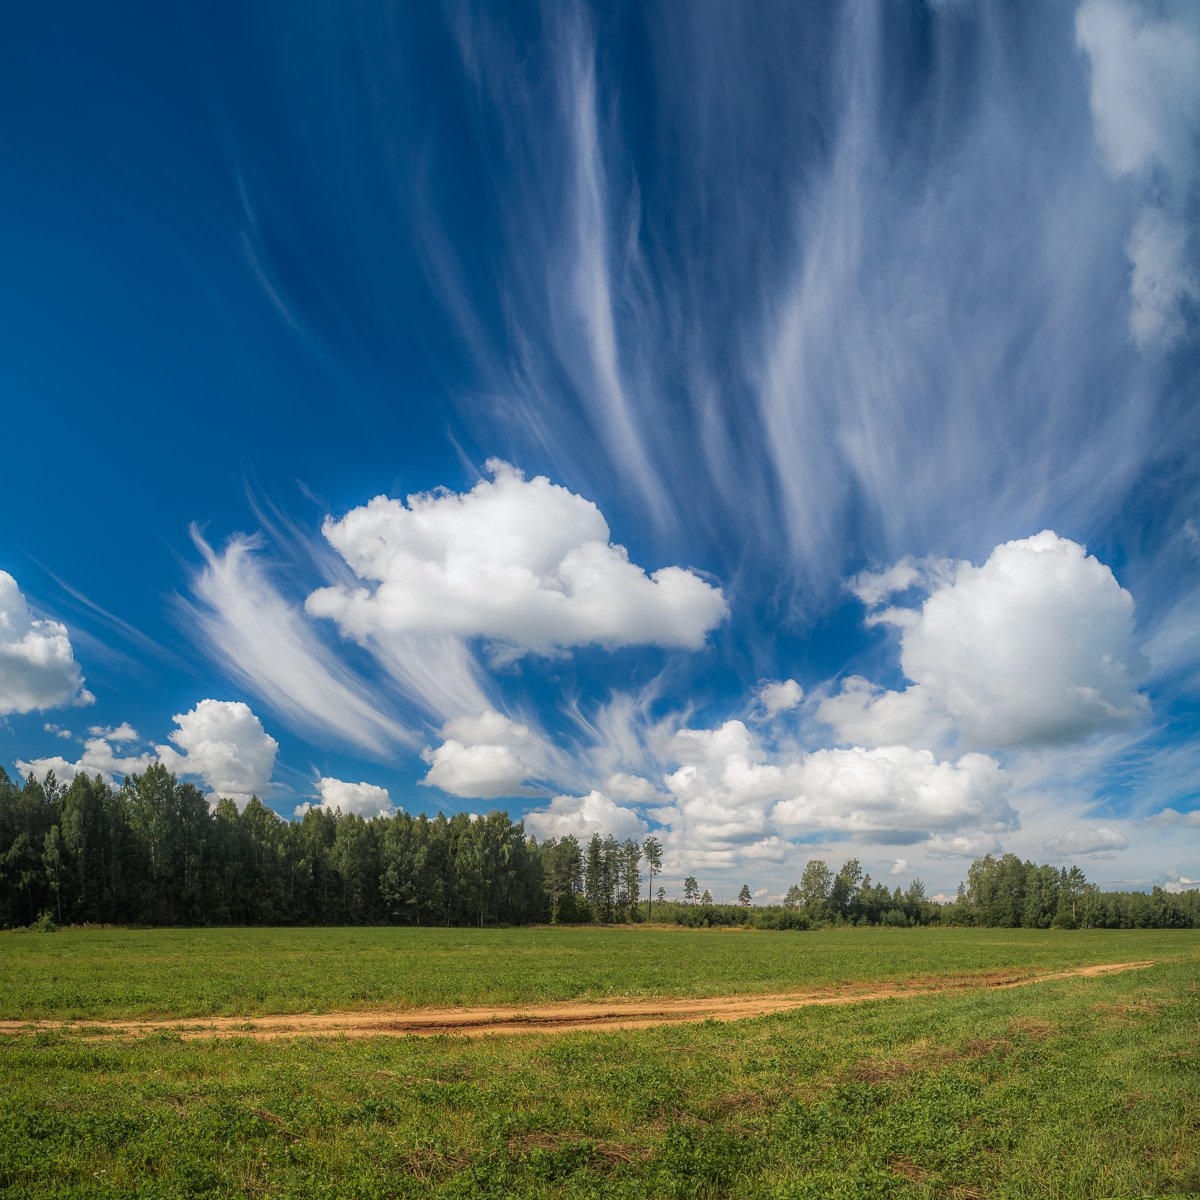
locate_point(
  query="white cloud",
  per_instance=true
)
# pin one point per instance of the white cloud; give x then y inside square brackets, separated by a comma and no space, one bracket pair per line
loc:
[59,731]
[1172,818]
[1034,647]
[863,713]
[722,790]
[1162,278]
[874,587]
[524,563]
[731,800]
[631,788]
[1086,841]
[900,867]
[220,741]
[224,743]
[486,758]
[774,697]
[1145,100]
[37,665]
[265,643]
[1145,81]
[363,799]
[583,816]
[98,758]
[895,789]
[962,845]
[476,772]
[115,733]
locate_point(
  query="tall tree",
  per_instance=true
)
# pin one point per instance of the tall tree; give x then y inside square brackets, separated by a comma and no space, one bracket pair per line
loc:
[652,849]
[815,883]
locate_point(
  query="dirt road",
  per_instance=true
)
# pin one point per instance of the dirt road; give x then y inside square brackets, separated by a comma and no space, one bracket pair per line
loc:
[543,1018]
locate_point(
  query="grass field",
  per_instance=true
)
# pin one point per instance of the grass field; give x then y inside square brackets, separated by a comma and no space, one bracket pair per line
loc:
[1075,1088]
[196,972]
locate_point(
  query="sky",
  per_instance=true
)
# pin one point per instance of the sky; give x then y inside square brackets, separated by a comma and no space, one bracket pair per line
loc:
[772,426]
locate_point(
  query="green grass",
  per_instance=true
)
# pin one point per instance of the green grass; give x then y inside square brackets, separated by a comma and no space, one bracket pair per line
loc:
[1081,1088]
[202,972]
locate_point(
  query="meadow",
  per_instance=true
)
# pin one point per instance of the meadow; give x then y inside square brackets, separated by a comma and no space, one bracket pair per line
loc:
[1067,1088]
[79,973]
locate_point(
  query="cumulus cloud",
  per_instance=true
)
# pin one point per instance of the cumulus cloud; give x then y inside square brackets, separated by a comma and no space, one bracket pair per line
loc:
[774,697]
[633,789]
[1173,818]
[1145,101]
[1034,647]
[1145,63]
[863,713]
[115,733]
[583,816]
[223,743]
[1162,278]
[723,787]
[962,845]
[363,799]
[900,867]
[37,664]
[99,757]
[523,563]
[731,799]
[486,758]
[1177,883]
[897,790]
[1103,840]
[874,587]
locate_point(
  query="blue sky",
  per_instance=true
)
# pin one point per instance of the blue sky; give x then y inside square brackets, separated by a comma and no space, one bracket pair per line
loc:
[773,426]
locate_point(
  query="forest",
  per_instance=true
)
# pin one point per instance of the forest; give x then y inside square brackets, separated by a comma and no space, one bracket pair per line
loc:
[154,851]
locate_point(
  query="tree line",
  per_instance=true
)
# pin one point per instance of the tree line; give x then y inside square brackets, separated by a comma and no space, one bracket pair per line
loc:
[156,852]
[999,892]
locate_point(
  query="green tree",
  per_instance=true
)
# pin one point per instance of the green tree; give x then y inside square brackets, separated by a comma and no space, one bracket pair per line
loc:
[52,857]
[815,884]
[843,891]
[631,876]
[744,896]
[594,885]
[691,890]
[652,849]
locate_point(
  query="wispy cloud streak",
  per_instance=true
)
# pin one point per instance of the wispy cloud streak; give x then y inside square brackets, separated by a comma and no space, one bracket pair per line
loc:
[265,643]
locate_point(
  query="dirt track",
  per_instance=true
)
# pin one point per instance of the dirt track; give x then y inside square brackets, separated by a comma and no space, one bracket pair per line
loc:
[547,1018]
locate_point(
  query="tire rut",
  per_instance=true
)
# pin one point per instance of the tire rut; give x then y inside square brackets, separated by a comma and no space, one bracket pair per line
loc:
[541,1019]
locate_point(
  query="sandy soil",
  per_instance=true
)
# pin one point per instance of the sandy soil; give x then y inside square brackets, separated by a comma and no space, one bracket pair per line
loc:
[543,1018]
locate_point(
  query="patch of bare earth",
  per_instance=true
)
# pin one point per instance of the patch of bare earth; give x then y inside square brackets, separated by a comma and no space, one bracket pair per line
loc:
[547,1018]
